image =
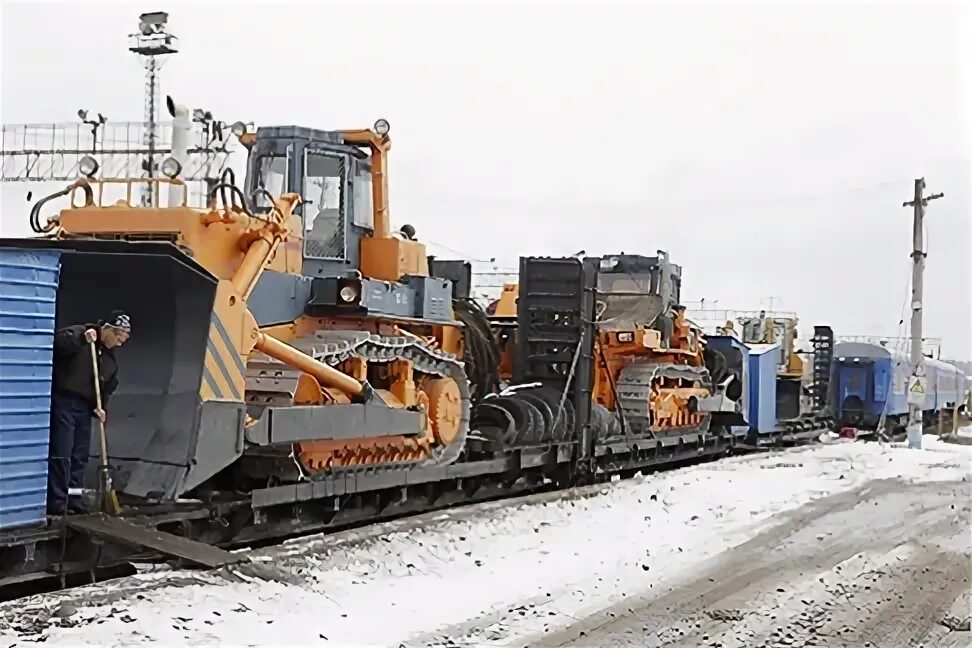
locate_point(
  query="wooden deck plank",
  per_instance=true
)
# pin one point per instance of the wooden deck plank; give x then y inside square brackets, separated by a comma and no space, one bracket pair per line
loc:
[119,530]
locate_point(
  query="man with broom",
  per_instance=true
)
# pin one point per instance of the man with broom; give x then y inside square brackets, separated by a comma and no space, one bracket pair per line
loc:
[78,350]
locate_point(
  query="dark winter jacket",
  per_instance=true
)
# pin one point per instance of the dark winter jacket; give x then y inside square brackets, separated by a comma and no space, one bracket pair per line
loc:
[72,365]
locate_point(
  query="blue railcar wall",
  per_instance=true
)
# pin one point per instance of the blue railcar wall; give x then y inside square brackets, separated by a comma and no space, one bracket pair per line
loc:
[762,387]
[28,296]
[889,371]
[898,402]
[948,386]
[854,380]
[944,383]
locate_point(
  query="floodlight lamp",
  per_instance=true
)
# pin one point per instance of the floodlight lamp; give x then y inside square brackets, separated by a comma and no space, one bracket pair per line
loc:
[88,166]
[171,168]
[609,263]
[82,114]
[152,22]
[382,127]
[238,129]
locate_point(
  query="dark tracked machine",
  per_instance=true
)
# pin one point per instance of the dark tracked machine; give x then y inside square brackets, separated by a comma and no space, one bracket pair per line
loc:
[295,365]
[605,356]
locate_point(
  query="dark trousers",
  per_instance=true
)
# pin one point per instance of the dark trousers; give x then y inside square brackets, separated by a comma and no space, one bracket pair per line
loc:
[70,444]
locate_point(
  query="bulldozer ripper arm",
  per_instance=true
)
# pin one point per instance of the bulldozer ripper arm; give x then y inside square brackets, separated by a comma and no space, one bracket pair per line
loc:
[328,376]
[260,243]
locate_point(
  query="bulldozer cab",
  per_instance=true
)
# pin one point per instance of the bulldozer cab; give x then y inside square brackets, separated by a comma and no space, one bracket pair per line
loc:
[767,329]
[334,180]
[759,329]
[633,291]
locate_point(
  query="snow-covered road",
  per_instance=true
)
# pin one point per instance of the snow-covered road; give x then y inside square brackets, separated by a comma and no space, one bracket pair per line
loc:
[887,564]
[506,573]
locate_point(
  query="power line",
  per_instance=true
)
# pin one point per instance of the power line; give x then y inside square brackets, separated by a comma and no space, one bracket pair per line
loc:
[525,203]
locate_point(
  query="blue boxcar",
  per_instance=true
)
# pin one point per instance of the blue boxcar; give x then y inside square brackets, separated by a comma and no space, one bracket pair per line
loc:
[28,296]
[871,381]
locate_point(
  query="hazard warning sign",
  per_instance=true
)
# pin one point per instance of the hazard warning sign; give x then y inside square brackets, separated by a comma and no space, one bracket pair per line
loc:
[917,388]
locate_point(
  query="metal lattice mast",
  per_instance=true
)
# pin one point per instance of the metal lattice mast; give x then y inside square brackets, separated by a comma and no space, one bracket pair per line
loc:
[152,43]
[151,135]
[46,152]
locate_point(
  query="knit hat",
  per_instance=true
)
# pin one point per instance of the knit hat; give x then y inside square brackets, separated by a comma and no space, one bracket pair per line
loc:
[119,320]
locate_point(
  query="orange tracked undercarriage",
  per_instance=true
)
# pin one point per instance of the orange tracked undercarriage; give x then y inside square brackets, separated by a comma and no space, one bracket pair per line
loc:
[405,370]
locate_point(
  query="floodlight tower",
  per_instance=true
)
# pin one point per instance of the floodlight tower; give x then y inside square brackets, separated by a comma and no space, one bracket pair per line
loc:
[152,43]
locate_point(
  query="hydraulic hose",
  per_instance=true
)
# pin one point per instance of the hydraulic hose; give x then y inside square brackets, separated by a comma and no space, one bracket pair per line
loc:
[35,210]
[221,187]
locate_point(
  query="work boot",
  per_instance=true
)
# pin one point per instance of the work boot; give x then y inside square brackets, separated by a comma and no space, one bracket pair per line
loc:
[57,509]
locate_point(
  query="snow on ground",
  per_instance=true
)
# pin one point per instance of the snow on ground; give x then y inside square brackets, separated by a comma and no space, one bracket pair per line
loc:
[546,559]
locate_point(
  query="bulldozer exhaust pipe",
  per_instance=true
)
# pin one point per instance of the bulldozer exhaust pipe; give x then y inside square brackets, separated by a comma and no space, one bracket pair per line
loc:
[181,134]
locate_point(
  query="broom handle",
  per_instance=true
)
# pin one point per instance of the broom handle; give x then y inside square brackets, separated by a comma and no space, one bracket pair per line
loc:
[97,386]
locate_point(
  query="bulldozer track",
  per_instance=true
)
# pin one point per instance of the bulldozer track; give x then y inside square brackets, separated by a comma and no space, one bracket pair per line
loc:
[336,347]
[634,390]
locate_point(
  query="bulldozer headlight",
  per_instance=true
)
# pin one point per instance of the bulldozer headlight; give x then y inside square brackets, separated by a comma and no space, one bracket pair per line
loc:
[382,127]
[88,166]
[626,337]
[171,167]
[609,263]
[348,294]
[238,129]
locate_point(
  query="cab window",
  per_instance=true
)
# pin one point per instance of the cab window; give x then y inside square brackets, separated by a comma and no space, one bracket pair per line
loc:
[271,174]
[323,208]
[363,205]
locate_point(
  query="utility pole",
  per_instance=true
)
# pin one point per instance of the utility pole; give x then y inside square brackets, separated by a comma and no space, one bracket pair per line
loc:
[918,384]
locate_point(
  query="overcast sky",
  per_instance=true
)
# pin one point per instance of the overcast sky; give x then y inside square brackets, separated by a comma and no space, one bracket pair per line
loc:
[768,149]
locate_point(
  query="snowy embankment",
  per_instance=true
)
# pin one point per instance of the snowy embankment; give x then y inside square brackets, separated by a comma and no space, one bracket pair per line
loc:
[535,563]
